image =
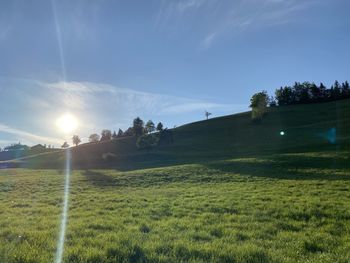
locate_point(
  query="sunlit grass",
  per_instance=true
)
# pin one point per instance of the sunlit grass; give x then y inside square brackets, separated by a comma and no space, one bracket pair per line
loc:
[273,209]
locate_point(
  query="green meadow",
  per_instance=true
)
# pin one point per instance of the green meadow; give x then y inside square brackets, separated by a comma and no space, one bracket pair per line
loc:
[237,210]
[225,190]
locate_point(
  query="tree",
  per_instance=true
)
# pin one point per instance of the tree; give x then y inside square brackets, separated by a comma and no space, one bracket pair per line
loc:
[335,91]
[120,133]
[114,136]
[65,145]
[94,137]
[128,132]
[207,114]
[138,127]
[323,93]
[159,127]
[258,103]
[150,127]
[106,135]
[301,93]
[346,90]
[284,96]
[76,140]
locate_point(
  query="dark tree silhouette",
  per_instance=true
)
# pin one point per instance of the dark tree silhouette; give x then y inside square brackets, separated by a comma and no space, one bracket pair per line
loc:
[76,140]
[138,127]
[129,132]
[120,133]
[106,135]
[159,127]
[284,96]
[345,89]
[65,145]
[306,92]
[94,137]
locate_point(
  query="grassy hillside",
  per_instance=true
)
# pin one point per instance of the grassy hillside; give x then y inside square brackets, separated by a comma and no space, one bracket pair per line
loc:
[313,127]
[225,190]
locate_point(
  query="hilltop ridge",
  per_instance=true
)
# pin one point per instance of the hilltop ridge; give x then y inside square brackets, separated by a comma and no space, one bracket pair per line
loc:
[295,128]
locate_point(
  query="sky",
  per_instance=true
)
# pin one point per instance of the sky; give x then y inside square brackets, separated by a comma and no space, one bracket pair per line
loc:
[108,61]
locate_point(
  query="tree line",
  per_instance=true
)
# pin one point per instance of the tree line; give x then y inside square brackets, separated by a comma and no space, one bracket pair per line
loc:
[143,131]
[299,93]
[309,92]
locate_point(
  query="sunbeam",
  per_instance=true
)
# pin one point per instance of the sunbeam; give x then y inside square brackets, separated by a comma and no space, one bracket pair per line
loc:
[60,245]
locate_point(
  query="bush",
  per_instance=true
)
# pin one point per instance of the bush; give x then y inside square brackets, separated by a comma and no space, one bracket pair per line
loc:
[147,141]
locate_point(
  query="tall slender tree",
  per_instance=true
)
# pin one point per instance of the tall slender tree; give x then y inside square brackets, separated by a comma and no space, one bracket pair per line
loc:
[138,126]
[159,127]
[120,133]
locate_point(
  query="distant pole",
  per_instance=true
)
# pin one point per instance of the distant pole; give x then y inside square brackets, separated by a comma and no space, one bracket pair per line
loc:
[207,114]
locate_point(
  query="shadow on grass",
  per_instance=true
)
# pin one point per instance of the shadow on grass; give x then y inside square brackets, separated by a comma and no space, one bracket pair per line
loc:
[294,167]
[99,179]
[289,167]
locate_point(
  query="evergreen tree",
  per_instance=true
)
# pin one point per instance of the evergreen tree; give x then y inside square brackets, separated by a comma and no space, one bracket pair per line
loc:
[323,93]
[129,132]
[120,133]
[336,90]
[345,90]
[314,92]
[160,127]
[138,126]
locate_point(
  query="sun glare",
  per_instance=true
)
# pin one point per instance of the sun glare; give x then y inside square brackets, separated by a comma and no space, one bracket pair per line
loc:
[67,123]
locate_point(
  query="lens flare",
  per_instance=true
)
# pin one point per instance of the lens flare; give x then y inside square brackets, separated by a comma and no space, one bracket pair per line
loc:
[60,245]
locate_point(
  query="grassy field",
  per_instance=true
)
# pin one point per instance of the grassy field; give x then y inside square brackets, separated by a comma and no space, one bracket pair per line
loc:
[225,190]
[276,208]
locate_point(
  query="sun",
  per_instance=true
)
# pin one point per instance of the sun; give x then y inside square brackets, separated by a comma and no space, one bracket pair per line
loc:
[67,123]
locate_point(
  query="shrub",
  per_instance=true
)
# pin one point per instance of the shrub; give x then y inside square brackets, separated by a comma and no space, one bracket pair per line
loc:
[147,141]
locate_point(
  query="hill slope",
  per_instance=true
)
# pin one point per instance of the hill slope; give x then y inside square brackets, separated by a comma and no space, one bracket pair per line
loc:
[312,127]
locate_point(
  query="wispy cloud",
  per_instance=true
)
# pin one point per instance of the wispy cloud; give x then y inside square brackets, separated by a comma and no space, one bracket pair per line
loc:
[198,106]
[171,14]
[247,15]
[132,100]
[207,41]
[219,18]
[185,5]
[27,136]
[96,105]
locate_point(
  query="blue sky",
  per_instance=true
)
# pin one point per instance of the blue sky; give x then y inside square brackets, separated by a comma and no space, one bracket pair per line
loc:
[108,61]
